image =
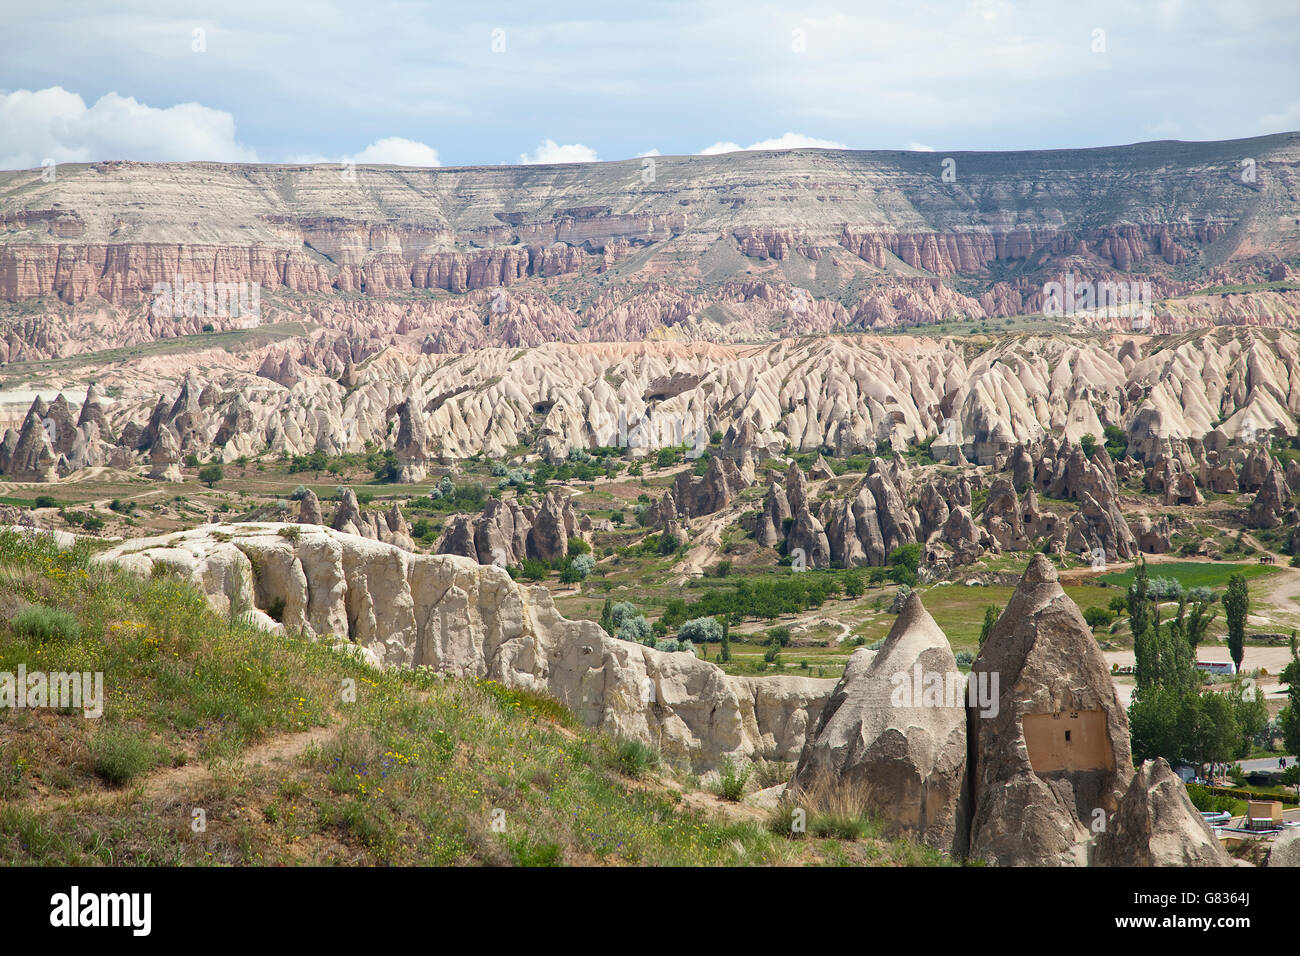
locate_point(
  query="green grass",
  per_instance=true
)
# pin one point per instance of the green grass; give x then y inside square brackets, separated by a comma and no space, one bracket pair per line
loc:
[1192,574]
[419,769]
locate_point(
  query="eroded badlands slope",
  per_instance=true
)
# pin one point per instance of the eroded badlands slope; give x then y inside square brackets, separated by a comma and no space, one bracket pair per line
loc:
[720,248]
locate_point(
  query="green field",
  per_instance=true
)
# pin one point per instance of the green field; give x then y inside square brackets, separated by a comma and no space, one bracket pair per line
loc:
[1192,574]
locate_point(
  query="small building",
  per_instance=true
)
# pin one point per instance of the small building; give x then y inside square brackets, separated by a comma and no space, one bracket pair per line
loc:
[1217,667]
[1264,814]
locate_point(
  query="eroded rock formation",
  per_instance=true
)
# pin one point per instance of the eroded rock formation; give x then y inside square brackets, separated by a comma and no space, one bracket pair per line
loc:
[401,609]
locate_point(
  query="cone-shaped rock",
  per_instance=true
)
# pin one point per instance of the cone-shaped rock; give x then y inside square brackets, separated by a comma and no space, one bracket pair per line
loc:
[1157,825]
[894,735]
[1056,749]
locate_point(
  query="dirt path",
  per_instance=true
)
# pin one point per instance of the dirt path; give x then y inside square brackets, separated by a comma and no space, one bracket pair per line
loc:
[277,749]
[706,550]
[172,780]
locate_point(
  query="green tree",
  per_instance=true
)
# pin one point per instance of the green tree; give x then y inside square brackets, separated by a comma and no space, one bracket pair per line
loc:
[853,585]
[607,617]
[1289,717]
[1146,651]
[1088,443]
[724,653]
[211,474]
[991,614]
[1199,623]
[1236,605]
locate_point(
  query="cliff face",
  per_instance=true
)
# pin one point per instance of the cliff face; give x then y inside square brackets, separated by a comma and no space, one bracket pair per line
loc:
[805,240]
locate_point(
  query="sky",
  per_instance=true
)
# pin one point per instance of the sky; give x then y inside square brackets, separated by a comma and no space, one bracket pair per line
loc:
[489,82]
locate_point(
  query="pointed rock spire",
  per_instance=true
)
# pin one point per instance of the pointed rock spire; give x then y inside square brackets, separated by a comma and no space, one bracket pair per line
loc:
[892,737]
[1055,751]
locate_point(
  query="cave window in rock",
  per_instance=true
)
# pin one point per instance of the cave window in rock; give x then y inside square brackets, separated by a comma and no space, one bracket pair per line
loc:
[1068,741]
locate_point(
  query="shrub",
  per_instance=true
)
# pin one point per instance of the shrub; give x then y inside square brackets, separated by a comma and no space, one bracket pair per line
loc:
[43,624]
[700,630]
[622,611]
[634,759]
[45,501]
[965,658]
[634,629]
[534,569]
[120,755]
[732,778]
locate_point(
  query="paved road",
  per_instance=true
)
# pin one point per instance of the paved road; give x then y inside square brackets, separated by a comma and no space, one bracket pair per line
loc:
[1264,763]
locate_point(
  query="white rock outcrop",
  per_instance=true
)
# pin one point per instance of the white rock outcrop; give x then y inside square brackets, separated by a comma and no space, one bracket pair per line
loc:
[403,610]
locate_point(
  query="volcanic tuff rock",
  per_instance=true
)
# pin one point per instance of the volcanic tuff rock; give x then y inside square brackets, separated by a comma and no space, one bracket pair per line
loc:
[309,509]
[165,456]
[1285,850]
[876,229]
[506,533]
[904,758]
[401,609]
[412,443]
[1152,536]
[31,456]
[553,525]
[710,492]
[848,393]
[1057,751]
[1157,825]
[1272,500]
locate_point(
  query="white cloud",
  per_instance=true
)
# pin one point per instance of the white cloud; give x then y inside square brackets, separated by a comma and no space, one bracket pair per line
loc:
[395,151]
[785,141]
[724,147]
[53,123]
[918,148]
[649,152]
[552,152]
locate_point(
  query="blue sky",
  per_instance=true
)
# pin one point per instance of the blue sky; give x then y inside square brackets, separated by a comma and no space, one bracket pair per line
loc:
[493,82]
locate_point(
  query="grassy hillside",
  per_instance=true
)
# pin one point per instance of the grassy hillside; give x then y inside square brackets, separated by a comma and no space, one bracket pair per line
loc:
[208,721]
